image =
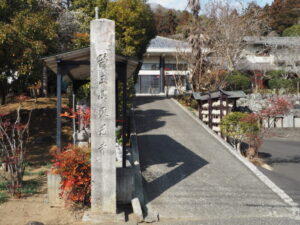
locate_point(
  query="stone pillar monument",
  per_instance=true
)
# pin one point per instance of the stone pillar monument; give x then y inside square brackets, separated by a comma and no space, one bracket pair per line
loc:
[103,121]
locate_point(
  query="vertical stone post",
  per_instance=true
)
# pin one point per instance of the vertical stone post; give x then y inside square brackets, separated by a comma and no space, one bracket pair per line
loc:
[103,117]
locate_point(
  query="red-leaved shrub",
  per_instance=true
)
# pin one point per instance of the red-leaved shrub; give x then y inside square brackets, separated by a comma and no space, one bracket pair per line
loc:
[277,106]
[74,167]
[82,114]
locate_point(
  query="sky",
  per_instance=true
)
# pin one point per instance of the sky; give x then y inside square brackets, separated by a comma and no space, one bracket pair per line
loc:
[181,4]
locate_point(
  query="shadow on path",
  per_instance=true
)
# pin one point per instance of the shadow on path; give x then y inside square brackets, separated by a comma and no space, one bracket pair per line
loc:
[151,119]
[143,100]
[171,161]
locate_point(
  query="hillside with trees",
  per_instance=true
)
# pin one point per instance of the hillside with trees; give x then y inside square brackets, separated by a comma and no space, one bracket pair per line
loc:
[170,22]
[283,14]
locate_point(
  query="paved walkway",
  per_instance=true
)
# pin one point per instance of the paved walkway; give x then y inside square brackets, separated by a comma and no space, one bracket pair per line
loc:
[284,157]
[188,175]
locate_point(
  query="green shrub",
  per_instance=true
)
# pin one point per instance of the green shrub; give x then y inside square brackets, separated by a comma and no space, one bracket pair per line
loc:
[238,81]
[240,126]
[194,103]
[275,74]
[3,192]
[292,31]
[84,91]
[289,85]
[276,81]
[3,197]
[130,91]
[30,187]
[188,101]
[230,124]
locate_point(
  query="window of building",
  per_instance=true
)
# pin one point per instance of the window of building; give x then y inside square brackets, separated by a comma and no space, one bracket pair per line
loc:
[170,80]
[150,66]
[173,66]
[263,52]
[280,63]
[150,84]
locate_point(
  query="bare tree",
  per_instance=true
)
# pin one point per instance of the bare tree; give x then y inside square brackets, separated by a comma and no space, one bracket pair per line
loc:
[13,140]
[287,60]
[217,40]
[180,71]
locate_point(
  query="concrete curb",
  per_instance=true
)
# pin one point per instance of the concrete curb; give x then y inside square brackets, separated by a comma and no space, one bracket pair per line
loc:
[138,182]
[150,215]
[293,206]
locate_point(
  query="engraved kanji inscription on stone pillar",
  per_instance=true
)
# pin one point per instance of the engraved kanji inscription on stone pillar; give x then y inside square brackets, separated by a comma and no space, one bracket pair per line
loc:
[103,197]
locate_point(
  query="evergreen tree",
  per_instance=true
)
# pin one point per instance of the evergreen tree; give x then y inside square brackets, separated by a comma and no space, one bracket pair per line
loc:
[27,33]
[134,26]
[170,22]
[292,31]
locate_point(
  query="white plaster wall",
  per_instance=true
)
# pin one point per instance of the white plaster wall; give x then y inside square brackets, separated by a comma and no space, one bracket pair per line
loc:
[172,90]
[261,59]
[149,72]
[297,121]
[151,59]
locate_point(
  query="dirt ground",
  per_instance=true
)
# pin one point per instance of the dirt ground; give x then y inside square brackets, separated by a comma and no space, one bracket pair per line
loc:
[34,206]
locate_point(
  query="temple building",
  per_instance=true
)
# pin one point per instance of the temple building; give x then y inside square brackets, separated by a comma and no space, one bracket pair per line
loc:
[263,54]
[164,70]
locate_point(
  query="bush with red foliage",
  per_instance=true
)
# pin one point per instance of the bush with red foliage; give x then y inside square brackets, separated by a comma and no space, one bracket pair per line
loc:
[82,114]
[74,167]
[255,132]
[277,106]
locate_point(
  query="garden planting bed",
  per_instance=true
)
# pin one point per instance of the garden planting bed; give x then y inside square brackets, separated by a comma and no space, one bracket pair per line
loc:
[32,203]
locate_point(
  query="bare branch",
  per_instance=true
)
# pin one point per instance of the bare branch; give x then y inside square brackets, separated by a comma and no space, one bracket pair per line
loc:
[217,40]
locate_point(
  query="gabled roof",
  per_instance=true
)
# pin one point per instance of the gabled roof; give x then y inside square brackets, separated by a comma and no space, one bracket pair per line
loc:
[167,45]
[82,71]
[163,42]
[245,65]
[282,41]
[216,94]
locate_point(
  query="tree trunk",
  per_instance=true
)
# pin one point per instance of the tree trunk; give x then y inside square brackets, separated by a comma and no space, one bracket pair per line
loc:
[3,91]
[45,82]
[3,97]
[238,147]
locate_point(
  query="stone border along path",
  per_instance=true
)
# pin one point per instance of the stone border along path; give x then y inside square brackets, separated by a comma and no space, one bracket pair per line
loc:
[286,198]
[198,184]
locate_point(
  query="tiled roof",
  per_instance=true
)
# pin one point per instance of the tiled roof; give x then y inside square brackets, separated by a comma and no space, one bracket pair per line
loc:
[165,43]
[217,94]
[291,41]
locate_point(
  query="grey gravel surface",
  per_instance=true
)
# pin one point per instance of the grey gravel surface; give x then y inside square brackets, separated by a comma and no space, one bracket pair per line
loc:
[188,175]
